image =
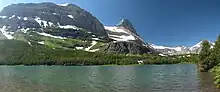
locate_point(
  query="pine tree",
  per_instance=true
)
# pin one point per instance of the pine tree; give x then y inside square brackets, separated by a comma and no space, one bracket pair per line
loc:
[204,56]
[216,52]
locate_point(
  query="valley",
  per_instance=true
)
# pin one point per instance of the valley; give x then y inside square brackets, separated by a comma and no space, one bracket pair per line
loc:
[67,35]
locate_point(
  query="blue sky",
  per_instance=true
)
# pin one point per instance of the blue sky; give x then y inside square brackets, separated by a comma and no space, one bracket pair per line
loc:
[162,22]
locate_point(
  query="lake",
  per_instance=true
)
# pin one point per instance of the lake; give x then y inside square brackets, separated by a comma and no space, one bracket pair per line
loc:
[146,78]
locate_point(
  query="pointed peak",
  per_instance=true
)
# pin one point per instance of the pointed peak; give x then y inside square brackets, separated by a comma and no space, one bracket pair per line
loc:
[124,22]
[127,25]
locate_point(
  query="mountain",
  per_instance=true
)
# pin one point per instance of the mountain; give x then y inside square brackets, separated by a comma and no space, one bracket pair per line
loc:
[55,26]
[67,26]
[195,49]
[44,15]
[126,40]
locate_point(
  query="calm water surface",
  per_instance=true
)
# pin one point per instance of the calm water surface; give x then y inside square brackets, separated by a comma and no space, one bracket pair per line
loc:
[149,78]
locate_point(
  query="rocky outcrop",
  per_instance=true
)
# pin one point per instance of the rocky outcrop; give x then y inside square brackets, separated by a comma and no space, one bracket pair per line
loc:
[127,47]
[2,37]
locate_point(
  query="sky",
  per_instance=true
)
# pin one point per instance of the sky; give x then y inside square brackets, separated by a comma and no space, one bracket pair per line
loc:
[161,22]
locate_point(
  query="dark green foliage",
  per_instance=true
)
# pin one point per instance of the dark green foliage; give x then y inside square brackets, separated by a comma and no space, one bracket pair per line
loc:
[210,59]
[204,56]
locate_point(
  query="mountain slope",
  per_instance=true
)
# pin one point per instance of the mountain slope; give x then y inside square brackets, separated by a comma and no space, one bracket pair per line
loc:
[68,27]
[44,15]
[55,26]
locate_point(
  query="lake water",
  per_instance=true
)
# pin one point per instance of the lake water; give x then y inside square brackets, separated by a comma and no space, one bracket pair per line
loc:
[148,78]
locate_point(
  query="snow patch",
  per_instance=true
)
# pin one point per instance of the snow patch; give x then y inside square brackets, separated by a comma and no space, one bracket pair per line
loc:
[198,45]
[63,4]
[95,38]
[93,44]
[42,42]
[3,17]
[122,37]
[25,18]
[49,35]
[162,55]
[12,17]
[69,27]
[18,17]
[140,62]
[123,30]
[79,48]
[45,23]
[115,29]
[24,30]
[30,43]
[55,14]
[70,16]
[8,35]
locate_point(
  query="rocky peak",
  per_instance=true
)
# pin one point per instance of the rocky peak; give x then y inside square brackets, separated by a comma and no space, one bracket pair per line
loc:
[127,25]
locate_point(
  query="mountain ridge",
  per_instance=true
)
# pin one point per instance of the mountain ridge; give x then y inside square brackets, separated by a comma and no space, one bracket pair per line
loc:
[176,50]
[68,26]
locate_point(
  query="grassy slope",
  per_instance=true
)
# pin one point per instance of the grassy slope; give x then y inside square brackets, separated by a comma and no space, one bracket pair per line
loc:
[15,52]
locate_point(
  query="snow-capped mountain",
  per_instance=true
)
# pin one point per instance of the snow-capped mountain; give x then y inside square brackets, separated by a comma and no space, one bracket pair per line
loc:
[195,49]
[126,39]
[68,26]
[124,31]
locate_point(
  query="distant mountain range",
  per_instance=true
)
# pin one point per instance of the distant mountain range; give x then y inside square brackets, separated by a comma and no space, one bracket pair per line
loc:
[177,50]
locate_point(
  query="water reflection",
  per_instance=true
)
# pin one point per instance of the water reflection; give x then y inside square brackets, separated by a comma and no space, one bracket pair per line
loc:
[152,78]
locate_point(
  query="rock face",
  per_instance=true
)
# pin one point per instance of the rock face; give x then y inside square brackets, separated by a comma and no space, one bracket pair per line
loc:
[43,15]
[2,37]
[127,25]
[127,47]
[126,39]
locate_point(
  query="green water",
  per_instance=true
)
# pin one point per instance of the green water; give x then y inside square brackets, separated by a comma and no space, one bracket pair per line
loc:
[149,78]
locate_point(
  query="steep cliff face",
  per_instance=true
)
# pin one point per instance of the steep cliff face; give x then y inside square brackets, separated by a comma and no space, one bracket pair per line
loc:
[127,47]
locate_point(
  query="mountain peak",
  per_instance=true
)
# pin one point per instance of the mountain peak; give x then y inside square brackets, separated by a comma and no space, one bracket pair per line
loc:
[127,24]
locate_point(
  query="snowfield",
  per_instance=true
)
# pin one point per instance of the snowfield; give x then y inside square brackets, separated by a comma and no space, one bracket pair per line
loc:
[93,44]
[3,17]
[128,37]
[70,16]
[49,35]
[42,42]
[8,35]
[45,23]
[66,4]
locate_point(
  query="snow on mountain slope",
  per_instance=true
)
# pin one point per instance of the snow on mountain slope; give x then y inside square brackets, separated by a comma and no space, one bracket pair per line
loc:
[125,35]
[195,49]
[8,35]
[124,31]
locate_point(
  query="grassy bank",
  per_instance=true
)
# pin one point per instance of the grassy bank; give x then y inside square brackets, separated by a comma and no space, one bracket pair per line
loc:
[216,71]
